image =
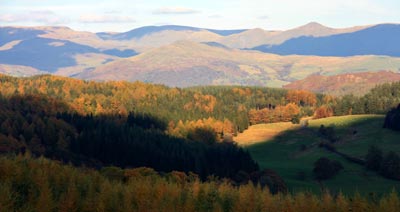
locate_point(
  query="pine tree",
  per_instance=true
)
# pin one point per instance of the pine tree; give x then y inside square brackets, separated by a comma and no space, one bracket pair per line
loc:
[45,202]
[69,200]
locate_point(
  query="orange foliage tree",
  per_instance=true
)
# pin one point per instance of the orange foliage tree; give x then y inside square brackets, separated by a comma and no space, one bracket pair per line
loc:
[301,97]
[183,129]
[323,112]
[280,113]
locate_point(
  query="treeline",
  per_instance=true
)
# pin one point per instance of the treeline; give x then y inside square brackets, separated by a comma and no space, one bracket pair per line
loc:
[28,184]
[264,105]
[392,119]
[379,100]
[46,126]
[234,106]
[225,109]
[228,105]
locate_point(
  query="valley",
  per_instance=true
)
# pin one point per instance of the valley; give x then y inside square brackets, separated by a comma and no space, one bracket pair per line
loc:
[171,117]
[131,121]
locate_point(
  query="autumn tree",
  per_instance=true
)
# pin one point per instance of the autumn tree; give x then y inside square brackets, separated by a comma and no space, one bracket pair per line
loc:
[323,112]
[291,111]
[301,97]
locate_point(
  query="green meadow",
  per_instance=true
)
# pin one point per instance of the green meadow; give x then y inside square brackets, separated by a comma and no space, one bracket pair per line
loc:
[292,153]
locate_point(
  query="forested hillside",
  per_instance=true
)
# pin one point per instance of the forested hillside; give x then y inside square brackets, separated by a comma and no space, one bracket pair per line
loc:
[138,124]
[44,127]
[28,184]
[379,100]
[225,109]
[122,124]
[226,106]
[58,124]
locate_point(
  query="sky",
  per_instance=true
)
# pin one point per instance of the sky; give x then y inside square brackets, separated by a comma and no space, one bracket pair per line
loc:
[124,15]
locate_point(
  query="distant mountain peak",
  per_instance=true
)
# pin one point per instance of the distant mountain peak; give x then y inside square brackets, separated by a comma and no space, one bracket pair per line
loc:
[313,25]
[146,30]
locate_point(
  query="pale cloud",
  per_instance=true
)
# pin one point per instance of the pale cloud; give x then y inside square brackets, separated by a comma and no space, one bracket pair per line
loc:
[263,17]
[37,16]
[9,18]
[161,23]
[94,18]
[174,11]
[222,14]
[113,12]
[215,16]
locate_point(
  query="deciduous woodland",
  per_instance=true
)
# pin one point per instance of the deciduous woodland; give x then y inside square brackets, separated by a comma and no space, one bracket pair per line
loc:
[181,139]
[43,185]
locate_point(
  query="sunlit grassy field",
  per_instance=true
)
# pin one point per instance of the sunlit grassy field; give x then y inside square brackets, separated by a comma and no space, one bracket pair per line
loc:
[263,132]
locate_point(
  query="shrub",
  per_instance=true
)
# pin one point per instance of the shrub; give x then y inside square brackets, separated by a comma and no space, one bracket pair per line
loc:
[392,119]
[390,166]
[328,133]
[373,158]
[325,168]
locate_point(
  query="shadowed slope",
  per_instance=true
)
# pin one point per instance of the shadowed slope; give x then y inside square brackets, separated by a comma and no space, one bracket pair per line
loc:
[293,152]
[376,40]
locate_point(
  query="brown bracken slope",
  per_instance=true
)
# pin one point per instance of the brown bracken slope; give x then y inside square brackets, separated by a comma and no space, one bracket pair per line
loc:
[354,83]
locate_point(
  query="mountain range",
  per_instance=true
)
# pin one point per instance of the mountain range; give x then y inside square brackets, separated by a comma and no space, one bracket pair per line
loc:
[377,40]
[189,56]
[186,63]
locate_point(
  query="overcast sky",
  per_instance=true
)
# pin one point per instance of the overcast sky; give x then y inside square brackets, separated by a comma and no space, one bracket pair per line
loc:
[124,15]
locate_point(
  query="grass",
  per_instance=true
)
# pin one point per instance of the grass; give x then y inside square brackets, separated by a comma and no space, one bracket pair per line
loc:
[293,150]
[262,132]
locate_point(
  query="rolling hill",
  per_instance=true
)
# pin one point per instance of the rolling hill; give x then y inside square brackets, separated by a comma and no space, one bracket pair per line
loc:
[355,83]
[12,34]
[51,49]
[146,30]
[19,71]
[292,152]
[187,63]
[256,37]
[375,40]
[145,38]
[188,56]
[44,54]
[242,38]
